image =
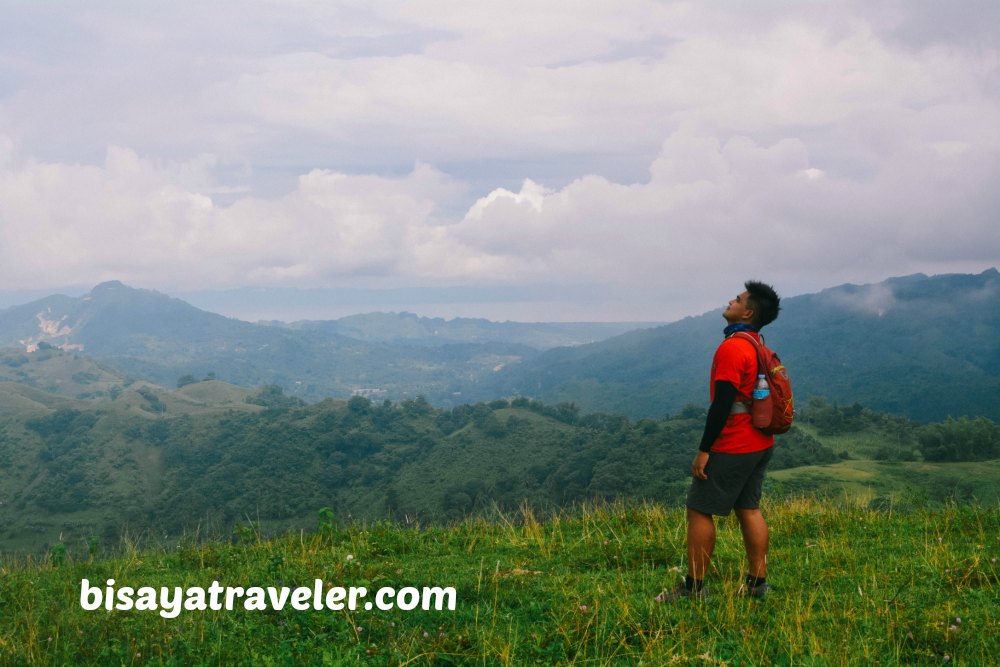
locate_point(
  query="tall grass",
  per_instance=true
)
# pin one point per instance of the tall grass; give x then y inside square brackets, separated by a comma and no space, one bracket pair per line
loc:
[851,586]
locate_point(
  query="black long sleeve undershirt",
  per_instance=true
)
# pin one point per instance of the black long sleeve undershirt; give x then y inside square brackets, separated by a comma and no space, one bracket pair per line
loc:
[718,413]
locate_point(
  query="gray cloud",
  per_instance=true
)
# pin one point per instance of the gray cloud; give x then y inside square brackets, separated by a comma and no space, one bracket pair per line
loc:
[651,149]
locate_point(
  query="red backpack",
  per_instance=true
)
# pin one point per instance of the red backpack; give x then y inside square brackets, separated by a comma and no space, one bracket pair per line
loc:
[774,414]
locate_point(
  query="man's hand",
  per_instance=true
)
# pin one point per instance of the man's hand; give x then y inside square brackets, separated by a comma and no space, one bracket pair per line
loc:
[698,465]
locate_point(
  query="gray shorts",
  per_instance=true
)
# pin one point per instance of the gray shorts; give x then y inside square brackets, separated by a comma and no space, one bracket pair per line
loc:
[734,480]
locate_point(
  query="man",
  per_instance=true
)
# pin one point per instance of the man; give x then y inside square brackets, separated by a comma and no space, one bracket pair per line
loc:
[729,467]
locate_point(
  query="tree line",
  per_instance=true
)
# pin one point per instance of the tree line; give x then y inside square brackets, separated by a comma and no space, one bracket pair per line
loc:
[403,460]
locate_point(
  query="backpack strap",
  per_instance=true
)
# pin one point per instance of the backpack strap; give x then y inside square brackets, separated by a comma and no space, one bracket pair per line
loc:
[743,407]
[757,342]
[757,346]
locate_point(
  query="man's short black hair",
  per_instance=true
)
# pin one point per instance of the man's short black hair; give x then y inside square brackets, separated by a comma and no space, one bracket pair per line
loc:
[764,302]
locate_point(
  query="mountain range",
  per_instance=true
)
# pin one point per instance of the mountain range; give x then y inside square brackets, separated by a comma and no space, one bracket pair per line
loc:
[149,335]
[919,346]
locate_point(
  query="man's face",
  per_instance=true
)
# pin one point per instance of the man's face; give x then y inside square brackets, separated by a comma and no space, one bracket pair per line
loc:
[739,310]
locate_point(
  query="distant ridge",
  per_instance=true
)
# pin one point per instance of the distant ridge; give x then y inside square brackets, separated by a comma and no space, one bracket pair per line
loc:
[925,347]
[412,329]
[921,346]
[146,334]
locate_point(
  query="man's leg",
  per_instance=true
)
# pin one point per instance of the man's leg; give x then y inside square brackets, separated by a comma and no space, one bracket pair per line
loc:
[701,542]
[755,540]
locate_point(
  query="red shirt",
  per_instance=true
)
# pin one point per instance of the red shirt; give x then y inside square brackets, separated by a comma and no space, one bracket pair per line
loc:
[736,362]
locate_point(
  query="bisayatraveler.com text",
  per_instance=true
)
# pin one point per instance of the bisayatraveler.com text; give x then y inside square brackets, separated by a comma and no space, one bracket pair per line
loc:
[171,601]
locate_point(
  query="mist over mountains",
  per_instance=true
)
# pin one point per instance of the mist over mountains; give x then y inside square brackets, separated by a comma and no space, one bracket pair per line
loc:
[920,346]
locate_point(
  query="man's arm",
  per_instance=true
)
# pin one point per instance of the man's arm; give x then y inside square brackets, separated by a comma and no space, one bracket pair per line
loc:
[718,413]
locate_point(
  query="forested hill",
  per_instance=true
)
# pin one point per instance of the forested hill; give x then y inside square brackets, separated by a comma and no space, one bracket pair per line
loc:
[924,347]
[202,457]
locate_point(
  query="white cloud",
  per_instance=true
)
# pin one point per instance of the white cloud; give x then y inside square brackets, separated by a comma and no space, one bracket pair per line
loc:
[654,144]
[133,219]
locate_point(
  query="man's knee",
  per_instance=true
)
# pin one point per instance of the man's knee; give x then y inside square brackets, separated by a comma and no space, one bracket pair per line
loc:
[697,516]
[745,514]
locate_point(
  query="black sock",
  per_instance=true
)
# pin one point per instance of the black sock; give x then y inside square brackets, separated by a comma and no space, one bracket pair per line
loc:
[692,584]
[754,582]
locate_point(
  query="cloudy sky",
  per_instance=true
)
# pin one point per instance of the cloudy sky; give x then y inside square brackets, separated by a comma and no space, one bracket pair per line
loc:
[565,160]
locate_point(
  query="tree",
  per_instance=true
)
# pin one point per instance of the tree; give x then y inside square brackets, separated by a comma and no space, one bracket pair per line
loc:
[359,405]
[273,397]
[960,440]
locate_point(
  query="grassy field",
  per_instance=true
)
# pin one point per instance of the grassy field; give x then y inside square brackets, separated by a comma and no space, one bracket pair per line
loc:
[901,483]
[851,586]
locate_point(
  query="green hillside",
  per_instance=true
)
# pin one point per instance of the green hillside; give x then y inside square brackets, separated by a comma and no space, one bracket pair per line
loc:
[884,483]
[208,455]
[919,346]
[850,585]
[57,372]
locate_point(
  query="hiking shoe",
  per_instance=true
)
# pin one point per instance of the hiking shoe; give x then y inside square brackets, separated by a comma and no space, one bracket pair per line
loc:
[681,592]
[756,592]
